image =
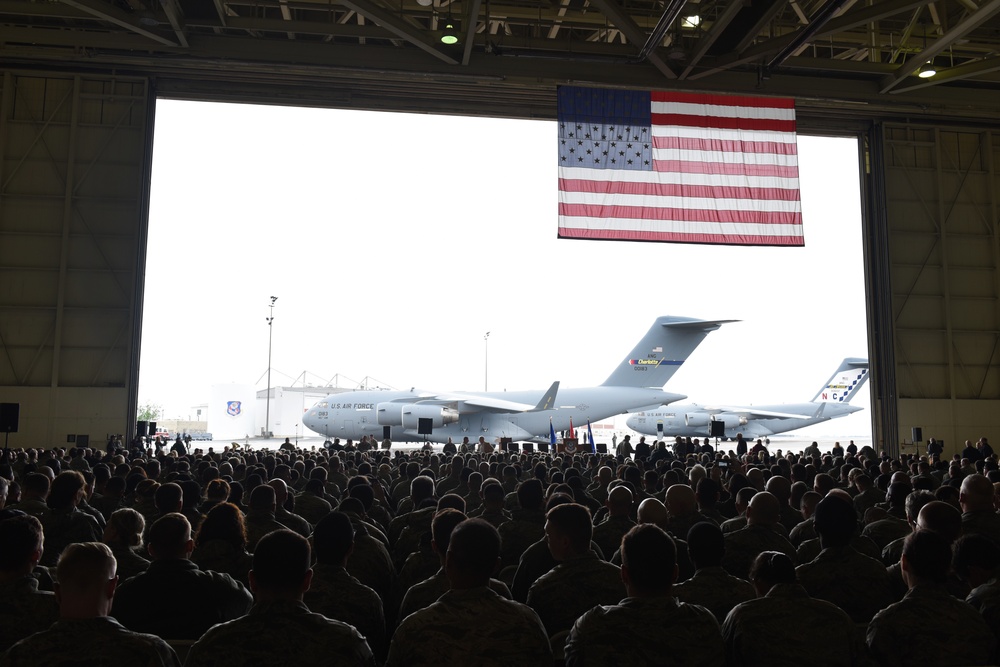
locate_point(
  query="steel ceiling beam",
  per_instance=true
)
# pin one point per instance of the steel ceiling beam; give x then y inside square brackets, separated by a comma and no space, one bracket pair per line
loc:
[718,27]
[108,12]
[399,27]
[632,31]
[471,23]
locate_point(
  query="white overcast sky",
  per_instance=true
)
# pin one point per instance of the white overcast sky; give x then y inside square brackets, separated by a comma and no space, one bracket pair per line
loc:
[394,242]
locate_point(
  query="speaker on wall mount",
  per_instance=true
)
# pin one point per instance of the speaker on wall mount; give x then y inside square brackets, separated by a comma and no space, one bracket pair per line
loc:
[9,415]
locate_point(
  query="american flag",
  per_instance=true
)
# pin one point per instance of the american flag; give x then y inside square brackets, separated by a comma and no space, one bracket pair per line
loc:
[678,167]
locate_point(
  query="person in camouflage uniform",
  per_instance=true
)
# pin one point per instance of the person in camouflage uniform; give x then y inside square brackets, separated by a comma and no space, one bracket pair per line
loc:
[471,624]
[685,634]
[784,626]
[978,514]
[23,608]
[338,595]
[711,586]
[581,580]
[608,534]
[527,524]
[311,503]
[87,582]
[954,633]
[977,561]
[759,535]
[280,629]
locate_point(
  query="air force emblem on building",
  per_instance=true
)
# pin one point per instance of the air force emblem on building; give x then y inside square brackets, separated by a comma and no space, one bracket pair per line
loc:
[234,408]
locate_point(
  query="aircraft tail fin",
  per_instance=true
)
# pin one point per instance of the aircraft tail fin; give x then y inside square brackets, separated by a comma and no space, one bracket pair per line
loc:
[849,377]
[663,349]
[548,400]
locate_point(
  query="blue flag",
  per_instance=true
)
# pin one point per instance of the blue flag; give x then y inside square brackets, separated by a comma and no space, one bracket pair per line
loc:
[590,438]
[552,433]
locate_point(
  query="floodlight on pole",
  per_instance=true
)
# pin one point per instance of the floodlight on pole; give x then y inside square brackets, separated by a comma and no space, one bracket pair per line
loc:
[267,399]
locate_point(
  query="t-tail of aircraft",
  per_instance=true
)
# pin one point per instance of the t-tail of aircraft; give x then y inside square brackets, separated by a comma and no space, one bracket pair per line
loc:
[849,377]
[661,351]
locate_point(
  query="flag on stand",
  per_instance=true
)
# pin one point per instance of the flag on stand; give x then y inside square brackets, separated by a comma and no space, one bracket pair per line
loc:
[590,438]
[552,433]
[571,433]
[678,167]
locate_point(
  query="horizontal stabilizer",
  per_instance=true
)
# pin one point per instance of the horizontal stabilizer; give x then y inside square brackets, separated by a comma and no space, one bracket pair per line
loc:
[663,349]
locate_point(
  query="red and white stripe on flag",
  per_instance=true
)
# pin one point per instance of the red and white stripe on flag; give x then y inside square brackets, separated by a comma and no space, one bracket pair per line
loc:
[678,167]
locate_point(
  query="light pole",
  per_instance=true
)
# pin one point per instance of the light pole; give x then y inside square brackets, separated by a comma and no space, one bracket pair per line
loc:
[267,399]
[486,369]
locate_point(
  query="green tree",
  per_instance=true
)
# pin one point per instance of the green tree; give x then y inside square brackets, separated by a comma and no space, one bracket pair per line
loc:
[149,412]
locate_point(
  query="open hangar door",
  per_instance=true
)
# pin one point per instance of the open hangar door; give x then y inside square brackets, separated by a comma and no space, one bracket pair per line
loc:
[74,182]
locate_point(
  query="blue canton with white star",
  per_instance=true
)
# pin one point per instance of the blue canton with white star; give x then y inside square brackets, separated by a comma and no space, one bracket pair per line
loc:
[605,129]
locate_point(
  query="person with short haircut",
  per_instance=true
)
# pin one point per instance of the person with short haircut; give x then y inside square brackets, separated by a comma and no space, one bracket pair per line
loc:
[471,624]
[957,634]
[978,513]
[85,633]
[335,593]
[123,535]
[581,580]
[760,534]
[784,626]
[280,628]
[685,634]
[65,524]
[711,586]
[260,518]
[608,534]
[527,523]
[174,598]
[23,608]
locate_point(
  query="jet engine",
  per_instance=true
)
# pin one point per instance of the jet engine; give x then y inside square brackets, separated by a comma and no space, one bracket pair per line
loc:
[696,418]
[408,415]
[732,421]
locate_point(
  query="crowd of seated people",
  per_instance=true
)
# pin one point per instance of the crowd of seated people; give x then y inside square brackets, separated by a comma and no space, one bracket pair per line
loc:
[662,555]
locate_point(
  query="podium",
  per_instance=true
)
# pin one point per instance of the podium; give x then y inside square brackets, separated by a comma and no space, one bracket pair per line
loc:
[569,446]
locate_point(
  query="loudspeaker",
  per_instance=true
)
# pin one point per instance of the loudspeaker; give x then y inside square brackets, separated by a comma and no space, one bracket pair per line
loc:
[141,428]
[151,429]
[718,429]
[9,413]
[602,448]
[425,426]
[917,433]
[83,441]
[527,447]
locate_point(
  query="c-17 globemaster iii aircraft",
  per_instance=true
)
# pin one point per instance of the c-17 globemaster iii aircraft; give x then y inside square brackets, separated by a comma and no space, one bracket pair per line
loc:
[830,402]
[416,416]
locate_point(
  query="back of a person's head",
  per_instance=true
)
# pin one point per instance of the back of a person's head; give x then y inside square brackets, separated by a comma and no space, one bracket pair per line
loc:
[363,492]
[976,552]
[169,497]
[36,484]
[125,527]
[772,567]
[85,566]
[530,494]
[217,490]
[941,517]
[442,526]
[421,488]
[835,521]
[351,506]
[492,491]
[451,501]
[333,538]
[65,488]
[706,544]
[927,556]
[574,522]
[169,535]
[225,522]
[262,498]
[915,501]
[20,538]
[281,560]
[473,549]
[650,555]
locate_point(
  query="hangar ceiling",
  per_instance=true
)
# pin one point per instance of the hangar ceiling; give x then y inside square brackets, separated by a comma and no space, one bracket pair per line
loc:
[851,55]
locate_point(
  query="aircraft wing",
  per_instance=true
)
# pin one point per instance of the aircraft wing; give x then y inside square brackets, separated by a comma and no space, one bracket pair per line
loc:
[753,412]
[488,403]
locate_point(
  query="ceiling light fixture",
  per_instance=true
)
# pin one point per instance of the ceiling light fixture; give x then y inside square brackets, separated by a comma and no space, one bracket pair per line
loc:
[927,70]
[691,21]
[449,34]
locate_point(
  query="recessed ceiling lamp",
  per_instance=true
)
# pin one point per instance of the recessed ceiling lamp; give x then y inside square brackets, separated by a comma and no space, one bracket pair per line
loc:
[691,21]
[449,34]
[425,3]
[927,70]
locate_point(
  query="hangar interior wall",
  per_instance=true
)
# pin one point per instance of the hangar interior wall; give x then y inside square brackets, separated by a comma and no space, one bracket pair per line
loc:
[944,254]
[74,174]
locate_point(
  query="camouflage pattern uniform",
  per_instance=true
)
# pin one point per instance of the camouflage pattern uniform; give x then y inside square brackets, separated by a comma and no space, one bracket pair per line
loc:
[573,587]
[129,562]
[685,634]
[805,530]
[337,595]
[103,641]
[787,627]
[608,534]
[734,524]
[24,610]
[524,529]
[884,531]
[281,633]
[259,524]
[428,591]
[406,531]
[471,627]
[982,522]
[311,507]
[854,582]
[63,528]
[930,627]
[292,521]
[495,518]
[743,546]
[986,600]
[716,590]
[370,562]
[809,550]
